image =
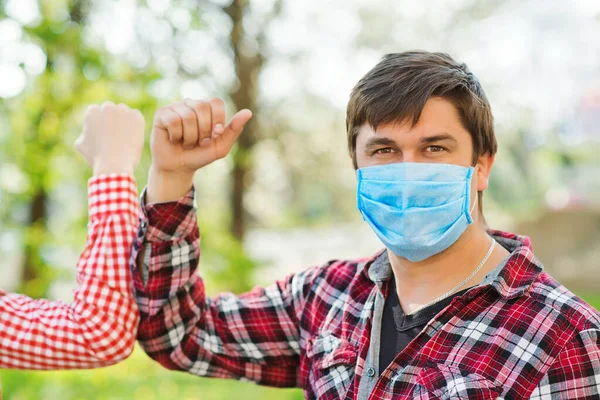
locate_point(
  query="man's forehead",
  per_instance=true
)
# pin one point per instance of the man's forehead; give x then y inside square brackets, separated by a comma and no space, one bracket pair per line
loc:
[393,131]
[385,129]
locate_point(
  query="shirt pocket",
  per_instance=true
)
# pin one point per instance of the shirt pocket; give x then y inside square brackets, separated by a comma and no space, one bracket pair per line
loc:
[447,382]
[332,363]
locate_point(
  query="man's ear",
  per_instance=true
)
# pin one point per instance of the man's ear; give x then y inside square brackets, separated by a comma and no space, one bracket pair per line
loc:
[483,168]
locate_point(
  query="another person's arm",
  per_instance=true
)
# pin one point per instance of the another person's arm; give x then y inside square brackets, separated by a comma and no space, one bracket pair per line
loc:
[253,336]
[99,327]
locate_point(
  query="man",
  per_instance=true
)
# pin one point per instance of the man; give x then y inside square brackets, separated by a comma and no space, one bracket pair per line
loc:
[449,309]
[99,328]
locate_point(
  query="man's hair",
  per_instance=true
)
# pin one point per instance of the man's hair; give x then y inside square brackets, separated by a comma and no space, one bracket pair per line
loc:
[398,87]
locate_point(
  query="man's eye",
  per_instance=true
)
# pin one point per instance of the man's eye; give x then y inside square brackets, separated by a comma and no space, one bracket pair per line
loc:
[435,149]
[385,150]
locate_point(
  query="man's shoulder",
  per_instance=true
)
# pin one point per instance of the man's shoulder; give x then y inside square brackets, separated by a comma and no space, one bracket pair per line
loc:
[577,312]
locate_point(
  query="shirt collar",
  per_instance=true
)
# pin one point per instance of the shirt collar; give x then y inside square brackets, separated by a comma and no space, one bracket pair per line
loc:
[510,279]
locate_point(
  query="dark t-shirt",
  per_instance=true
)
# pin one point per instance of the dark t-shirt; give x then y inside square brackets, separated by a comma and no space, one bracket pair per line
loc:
[397,329]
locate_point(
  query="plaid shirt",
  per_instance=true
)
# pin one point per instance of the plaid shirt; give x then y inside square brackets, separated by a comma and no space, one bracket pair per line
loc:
[518,334]
[100,326]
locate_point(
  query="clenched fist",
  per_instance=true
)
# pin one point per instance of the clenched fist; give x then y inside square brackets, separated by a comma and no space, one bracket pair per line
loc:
[186,136]
[112,139]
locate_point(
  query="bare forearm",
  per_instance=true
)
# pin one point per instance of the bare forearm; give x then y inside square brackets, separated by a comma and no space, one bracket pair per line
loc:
[164,187]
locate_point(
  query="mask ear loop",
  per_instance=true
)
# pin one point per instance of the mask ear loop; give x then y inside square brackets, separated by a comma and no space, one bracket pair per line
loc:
[474,204]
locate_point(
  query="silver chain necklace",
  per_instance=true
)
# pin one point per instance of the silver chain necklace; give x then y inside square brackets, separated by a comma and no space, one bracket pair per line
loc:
[449,293]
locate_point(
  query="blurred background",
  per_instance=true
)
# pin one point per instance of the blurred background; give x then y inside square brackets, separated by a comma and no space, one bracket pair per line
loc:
[285,199]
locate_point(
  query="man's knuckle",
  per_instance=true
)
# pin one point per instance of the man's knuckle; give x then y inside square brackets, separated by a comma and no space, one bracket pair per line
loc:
[162,112]
[204,106]
[189,116]
[217,102]
[194,103]
[174,127]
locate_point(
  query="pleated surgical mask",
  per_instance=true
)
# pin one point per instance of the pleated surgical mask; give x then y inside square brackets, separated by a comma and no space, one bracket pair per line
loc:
[416,209]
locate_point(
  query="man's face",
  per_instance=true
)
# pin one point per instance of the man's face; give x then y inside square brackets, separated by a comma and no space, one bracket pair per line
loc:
[438,137]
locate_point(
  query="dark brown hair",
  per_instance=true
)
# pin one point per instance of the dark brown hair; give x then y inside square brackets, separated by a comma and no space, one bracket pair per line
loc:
[398,87]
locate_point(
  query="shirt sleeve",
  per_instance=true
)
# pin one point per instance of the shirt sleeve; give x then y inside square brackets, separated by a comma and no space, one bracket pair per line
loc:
[575,374]
[100,326]
[253,336]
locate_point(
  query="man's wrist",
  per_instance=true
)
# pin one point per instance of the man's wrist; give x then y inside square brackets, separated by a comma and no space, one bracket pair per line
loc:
[167,186]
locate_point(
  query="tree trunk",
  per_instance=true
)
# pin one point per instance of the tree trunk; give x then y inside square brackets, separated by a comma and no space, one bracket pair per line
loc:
[36,229]
[244,95]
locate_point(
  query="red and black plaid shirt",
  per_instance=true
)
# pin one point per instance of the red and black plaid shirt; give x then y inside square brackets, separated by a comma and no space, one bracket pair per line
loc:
[519,334]
[99,327]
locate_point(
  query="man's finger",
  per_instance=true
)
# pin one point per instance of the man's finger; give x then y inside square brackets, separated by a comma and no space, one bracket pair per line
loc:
[169,121]
[218,116]
[189,122]
[203,119]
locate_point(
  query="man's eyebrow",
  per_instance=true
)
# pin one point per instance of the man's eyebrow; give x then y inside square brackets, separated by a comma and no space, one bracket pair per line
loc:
[379,141]
[438,138]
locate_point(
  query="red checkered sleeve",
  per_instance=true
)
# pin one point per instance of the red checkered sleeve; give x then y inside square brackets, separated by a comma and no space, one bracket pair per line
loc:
[100,326]
[253,336]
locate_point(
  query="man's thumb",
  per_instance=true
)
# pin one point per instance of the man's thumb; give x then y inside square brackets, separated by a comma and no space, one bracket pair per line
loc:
[239,120]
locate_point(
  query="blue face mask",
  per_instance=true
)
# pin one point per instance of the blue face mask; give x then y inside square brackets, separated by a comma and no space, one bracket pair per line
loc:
[416,209]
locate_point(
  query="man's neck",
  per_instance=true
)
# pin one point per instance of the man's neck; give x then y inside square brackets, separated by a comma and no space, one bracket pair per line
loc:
[421,282]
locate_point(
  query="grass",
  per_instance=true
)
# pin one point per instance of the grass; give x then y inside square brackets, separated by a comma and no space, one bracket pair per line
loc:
[137,378]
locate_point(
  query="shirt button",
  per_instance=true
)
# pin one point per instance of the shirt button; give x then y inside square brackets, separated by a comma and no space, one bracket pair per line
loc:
[371,372]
